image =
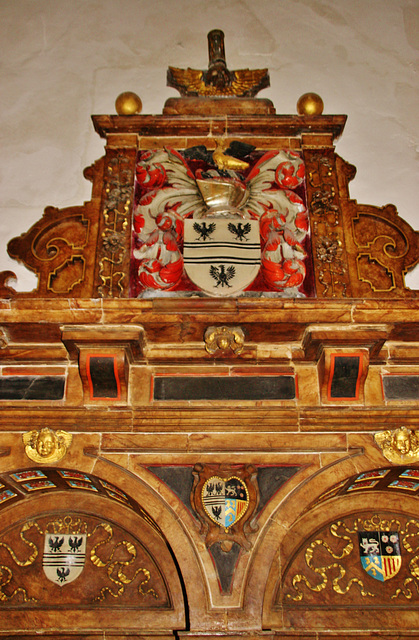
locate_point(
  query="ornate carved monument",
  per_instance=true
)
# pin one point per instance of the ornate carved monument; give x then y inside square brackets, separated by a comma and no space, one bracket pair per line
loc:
[209,404]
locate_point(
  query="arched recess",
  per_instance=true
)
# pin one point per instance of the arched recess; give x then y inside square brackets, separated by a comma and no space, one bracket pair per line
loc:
[350,562]
[77,553]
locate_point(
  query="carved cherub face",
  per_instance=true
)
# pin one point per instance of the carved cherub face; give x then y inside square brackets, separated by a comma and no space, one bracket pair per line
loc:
[402,441]
[45,444]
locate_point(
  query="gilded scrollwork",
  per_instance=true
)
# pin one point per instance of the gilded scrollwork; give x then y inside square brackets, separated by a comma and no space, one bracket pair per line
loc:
[387,248]
[323,570]
[399,446]
[61,544]
[345,562]
[113,249]
[330,257]
[115,568]
[6,573]
[54,248]
[410,542]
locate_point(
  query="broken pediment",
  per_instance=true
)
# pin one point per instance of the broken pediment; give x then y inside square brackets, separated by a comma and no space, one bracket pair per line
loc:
[218,197]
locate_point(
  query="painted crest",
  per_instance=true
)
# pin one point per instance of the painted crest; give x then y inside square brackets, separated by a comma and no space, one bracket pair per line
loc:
[225,500]
[64,556]
[380,553]
[222,255]
[222,222]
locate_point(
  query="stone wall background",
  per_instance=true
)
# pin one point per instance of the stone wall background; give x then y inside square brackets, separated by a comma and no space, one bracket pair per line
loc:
[63,60]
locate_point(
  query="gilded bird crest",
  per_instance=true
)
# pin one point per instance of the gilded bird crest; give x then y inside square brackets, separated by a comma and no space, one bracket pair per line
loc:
[218,80]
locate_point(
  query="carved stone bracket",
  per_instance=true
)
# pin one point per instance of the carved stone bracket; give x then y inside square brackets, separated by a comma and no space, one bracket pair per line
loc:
[104,355]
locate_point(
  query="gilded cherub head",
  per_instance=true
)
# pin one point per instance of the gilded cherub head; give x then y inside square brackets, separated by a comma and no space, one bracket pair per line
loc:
[400,445]
[46,445]
[224,339]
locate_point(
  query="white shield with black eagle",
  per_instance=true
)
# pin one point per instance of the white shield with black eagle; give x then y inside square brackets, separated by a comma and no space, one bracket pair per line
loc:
[64,556]
[222,255]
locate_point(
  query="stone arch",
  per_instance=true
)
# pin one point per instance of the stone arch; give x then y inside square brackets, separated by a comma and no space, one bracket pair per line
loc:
[318,579]
[58,522]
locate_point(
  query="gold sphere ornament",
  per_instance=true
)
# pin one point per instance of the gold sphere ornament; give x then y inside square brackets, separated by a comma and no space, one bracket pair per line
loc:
[128,104]
[310,104]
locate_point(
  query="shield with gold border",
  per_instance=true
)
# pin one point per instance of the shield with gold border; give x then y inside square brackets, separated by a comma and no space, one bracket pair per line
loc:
[225,500]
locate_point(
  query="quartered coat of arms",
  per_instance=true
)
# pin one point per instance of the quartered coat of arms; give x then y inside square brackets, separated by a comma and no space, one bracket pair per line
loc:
[380,553]
[64,556]
[221,223]
[225,501]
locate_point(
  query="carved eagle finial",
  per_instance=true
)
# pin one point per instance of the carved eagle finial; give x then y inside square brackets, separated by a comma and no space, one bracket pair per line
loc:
[218,80]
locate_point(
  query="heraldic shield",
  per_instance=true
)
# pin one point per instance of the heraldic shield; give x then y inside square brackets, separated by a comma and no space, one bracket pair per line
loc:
[225,501]
[222,255]
[64,557]
[380,553]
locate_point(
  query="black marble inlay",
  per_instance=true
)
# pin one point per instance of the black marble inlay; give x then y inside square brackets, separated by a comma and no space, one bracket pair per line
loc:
[179,479]
[32,387]
[345,377]
[270,479]
[224,388]
[225,563]
[102,375]
[401,387]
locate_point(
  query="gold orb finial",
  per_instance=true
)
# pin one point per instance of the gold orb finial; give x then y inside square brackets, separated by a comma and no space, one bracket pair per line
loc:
[310,104]
[128,104]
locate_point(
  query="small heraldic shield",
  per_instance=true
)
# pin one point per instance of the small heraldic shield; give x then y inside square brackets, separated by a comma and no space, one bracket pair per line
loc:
[64,556]
[380,553]
[225,500]
[222,255]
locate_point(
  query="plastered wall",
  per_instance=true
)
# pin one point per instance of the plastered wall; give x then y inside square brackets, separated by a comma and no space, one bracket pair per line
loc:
[63,60]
